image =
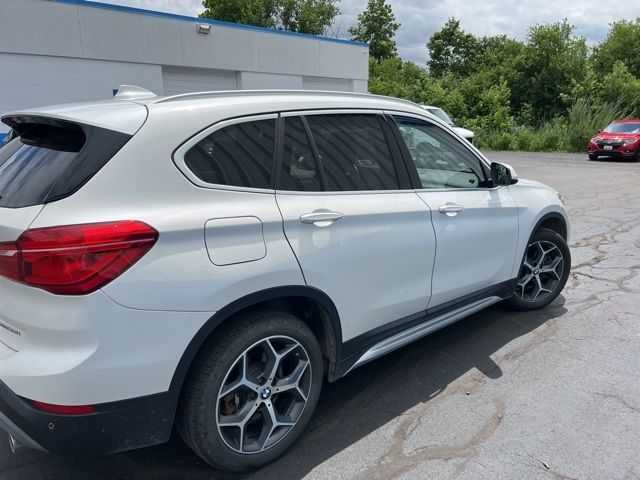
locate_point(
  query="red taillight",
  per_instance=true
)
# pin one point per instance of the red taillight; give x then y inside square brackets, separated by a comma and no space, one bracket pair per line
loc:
[9,261]
[64,409]
[76,259]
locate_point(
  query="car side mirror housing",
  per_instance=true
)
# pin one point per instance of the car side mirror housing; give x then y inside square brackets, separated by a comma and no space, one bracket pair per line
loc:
[502,174]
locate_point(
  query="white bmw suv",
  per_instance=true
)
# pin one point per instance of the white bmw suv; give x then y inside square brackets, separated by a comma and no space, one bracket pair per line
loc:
[207,261]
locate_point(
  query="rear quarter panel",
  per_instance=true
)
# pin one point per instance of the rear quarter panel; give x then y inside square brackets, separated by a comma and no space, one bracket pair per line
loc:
[142,183]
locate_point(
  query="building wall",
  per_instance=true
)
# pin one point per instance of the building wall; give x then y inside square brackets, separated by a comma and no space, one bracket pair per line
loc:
[62,51]
[35,80]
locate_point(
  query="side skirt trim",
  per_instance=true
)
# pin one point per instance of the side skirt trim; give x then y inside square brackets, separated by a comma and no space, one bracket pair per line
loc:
[414,333]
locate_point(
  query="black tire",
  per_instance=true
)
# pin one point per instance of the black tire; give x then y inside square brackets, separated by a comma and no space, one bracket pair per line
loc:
[199,411]
[593,156]
[545,237]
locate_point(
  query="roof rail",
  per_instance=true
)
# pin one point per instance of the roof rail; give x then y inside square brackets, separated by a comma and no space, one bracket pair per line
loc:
[132,92]
[249,93]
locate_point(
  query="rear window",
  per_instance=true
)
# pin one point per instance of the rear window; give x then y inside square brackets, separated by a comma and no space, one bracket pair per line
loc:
[49,159]
[239,155]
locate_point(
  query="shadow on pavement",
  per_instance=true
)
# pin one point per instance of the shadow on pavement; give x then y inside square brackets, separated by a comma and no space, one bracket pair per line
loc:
[349,409]
[613,160]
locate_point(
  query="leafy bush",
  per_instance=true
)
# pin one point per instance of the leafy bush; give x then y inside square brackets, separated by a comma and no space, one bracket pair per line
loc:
[496,140]
[586,118]
[524,139]
[571,134]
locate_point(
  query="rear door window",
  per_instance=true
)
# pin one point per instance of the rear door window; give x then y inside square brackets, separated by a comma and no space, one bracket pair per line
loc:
[49,160]
[353,152]
[238,155]
[299,170]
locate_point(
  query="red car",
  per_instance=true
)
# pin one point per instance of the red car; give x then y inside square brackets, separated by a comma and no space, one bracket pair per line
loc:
[620,139]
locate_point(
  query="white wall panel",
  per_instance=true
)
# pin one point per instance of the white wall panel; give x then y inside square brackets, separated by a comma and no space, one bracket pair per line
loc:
[176,80]
[51,28]
[122,36]
[319,83]
[258,80]
[46,28]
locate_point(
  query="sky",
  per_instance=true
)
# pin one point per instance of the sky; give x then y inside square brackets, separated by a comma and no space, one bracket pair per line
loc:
[419,19]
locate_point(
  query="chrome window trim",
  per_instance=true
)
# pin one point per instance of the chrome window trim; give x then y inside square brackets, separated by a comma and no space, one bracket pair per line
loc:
[179,161]
[344,192]
[332,111]
[179,153]
[478,189]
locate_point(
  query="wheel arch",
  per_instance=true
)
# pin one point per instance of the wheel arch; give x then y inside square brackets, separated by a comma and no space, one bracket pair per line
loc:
[324,322]
[552,221]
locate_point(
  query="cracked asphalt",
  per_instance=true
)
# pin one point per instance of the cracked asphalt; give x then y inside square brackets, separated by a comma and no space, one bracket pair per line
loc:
[553,394]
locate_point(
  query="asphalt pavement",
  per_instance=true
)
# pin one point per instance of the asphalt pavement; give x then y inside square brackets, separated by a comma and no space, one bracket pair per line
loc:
[552,394]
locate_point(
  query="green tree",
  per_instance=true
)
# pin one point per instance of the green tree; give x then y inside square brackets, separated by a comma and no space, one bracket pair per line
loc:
[377,26]
[622,44]
[395,78]
[621,87]
[552,63]
[453,50]
[308,16]
[304,16]
[261,13]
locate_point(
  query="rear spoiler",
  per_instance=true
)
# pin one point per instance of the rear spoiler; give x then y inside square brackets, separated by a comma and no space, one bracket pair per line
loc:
[119,116]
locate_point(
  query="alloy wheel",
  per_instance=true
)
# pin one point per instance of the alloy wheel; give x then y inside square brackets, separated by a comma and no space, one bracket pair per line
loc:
[263,394]
[540,272]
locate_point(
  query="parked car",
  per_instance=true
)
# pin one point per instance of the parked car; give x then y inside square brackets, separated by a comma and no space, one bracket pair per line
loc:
[620,139]
[209,260]
[442,115]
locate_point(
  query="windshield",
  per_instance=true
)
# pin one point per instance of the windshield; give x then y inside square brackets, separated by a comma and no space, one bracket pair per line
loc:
[630,127]
[441,114]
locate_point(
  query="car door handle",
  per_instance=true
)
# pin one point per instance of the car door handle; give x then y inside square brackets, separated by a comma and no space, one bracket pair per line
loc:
[451,209]
[321,218]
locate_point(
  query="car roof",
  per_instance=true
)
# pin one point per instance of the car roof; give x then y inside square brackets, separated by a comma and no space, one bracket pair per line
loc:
[127,111]
[628,120]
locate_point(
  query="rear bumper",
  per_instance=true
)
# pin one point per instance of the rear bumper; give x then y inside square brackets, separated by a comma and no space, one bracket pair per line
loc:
[115,427]
[87,350]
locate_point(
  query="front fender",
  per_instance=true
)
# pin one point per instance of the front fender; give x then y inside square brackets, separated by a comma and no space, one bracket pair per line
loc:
[537,204]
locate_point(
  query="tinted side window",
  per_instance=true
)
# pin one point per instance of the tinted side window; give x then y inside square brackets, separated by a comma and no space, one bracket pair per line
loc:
[353,152]
[299,170]
[441,160]
[240,155]
[51,160]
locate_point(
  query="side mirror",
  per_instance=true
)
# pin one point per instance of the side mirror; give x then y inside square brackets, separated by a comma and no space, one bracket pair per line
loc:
[502,174]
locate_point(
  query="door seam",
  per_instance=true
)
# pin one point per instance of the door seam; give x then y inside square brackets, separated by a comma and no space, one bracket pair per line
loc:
[435,250]
[304,278]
